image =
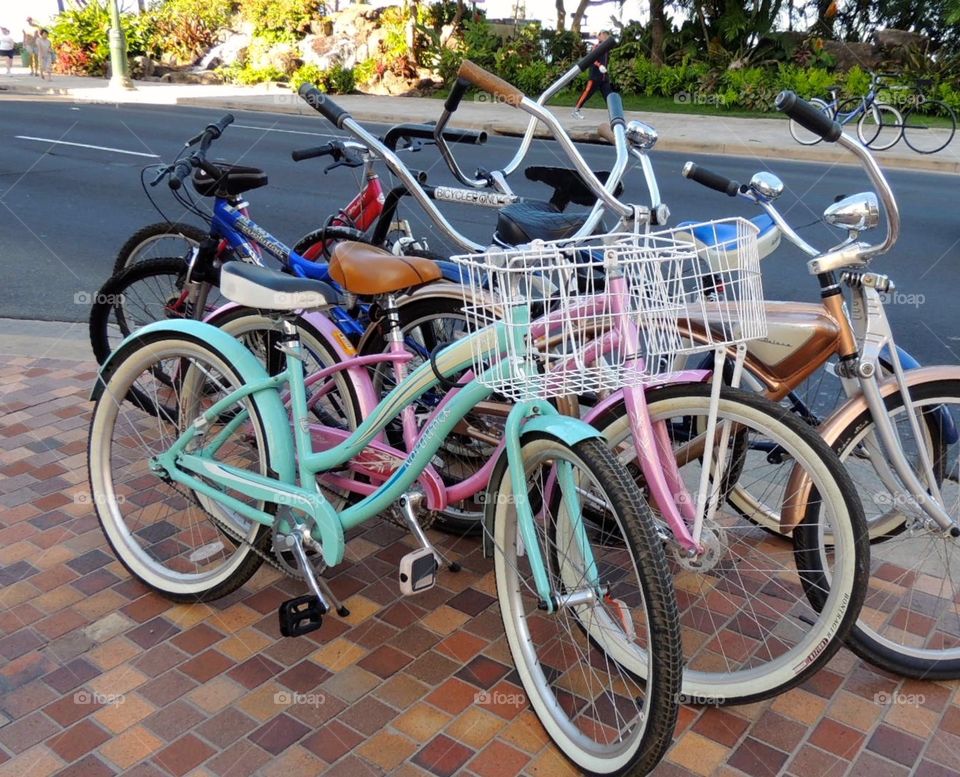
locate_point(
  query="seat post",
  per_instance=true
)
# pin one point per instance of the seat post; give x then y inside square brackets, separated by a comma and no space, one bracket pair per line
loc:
[394,338]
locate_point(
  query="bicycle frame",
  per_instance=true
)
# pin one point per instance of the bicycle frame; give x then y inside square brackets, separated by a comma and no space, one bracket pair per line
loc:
[213,479]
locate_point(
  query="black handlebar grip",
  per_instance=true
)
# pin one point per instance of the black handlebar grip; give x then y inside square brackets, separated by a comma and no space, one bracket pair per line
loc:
[808,117]
[323,105]
[310,153]
[711,180]
[473,137]
[452,102]
[180,171]
[615,109]
[599,50]
[221,125]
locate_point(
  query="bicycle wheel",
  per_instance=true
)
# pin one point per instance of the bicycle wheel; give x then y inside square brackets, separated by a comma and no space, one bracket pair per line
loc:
[929,127]
[572,662]
[880,127]
[151,290]
[804,136]
[427,324]
[749,630]
[187,547]
[153,241]
[910,623]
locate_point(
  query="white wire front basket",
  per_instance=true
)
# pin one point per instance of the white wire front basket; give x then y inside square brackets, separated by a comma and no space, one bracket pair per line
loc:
[568,334]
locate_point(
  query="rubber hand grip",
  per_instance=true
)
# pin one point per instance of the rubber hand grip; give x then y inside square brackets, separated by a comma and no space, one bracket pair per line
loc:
[323,105]
[180,171]
[808,117]
[615,108]
[310,153]
[488,82]
[711,180]
[598,51]
[221,125]
[452,102]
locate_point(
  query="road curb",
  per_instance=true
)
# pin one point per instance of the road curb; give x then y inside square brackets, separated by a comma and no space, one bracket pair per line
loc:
[287,103]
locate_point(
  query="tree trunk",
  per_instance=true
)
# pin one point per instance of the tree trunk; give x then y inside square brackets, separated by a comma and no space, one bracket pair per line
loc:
[561,16]
[578,16]
[658,31]
[458,16]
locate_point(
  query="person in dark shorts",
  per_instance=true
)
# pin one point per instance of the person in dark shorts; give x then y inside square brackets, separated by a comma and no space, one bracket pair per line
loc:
[599,78]
[6,47]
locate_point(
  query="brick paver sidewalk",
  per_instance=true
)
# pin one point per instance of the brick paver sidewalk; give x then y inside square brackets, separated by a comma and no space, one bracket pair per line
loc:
[101,677]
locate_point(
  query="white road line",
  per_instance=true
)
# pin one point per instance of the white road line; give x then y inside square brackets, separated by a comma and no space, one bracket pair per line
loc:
[86,145]
[287,131]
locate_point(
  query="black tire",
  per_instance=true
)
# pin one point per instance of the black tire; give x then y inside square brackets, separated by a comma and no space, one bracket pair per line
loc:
[922,134]
[644,565]
[154,286]
[462,519]
[326,235]
[923,547]
[711,676]
[132,250]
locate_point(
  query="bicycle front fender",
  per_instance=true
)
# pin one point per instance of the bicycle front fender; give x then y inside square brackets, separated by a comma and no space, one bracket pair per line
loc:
[798,485]
[569,430]
[951,432]
[276,422]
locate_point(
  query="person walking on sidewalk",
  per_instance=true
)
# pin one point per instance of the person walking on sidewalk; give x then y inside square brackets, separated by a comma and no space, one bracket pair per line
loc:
[6,47]
[599,78]
[30,34]
[44,55]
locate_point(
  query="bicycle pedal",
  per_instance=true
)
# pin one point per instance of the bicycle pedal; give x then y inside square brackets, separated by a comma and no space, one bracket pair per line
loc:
[418,571]
[301,615]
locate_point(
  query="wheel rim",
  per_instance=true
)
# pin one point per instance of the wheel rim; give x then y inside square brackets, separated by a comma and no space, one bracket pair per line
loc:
[747,624]
[162,531]
[913,604]
[554,652]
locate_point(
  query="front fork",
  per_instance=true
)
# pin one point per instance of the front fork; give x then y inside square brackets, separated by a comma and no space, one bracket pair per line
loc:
[873,329]
[549,599]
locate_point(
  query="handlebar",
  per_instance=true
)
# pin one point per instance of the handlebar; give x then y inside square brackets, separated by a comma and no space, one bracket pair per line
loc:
[462,84]
[808,117]
[598,51]
[475,74]
[426,132]
[324,105]
[312,153]
[860,253]
[711,180]
[180,170]
[490,83]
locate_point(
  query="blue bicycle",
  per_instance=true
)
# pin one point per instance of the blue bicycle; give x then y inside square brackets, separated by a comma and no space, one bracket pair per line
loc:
[879,125]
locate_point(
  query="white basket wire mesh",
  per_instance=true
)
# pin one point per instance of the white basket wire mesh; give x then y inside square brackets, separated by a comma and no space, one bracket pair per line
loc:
[563,324]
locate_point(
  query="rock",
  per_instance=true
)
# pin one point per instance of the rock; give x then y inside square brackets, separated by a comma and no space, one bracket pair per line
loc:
[900,39]
[849,54]
[284,57]
[191,77]
[141,67]
[233,50]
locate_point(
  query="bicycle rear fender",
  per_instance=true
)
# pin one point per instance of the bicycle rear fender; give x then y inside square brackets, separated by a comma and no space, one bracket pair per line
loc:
[798,486]
[272,412]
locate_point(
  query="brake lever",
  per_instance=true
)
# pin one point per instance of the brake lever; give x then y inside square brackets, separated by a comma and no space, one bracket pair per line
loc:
[164,171]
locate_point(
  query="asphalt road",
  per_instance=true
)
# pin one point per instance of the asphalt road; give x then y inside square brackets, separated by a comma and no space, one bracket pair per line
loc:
[65,209]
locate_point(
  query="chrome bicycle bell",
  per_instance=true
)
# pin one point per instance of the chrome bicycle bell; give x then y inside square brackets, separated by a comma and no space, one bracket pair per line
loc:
[641,136]
[766,186]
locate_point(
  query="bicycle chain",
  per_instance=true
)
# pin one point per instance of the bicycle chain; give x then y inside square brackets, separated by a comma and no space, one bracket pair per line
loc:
[225,528]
